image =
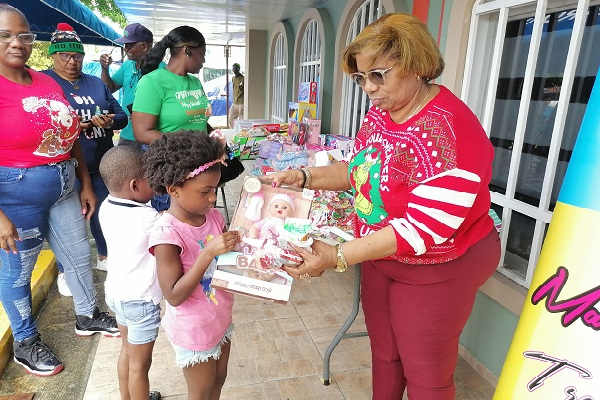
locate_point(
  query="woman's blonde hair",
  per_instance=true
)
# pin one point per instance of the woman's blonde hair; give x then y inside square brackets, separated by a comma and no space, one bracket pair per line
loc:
[400,37]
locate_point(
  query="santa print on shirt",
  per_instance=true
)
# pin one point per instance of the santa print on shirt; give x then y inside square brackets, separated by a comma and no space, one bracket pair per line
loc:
[409,176]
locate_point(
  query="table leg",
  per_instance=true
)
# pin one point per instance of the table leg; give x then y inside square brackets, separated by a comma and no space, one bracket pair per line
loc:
[342,332]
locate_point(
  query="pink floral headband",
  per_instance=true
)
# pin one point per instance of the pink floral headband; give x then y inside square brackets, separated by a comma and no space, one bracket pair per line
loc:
[203,168]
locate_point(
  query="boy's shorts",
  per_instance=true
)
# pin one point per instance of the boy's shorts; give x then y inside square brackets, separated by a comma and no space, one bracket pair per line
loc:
[142,319]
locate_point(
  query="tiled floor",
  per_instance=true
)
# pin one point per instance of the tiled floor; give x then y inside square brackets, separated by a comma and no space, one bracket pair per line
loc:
[277,350]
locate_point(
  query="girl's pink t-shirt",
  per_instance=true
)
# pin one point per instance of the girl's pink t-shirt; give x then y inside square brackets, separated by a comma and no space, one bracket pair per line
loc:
[200,322]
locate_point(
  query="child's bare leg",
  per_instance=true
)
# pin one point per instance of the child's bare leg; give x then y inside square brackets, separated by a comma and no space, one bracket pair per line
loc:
[200,379]
[140,359]
[221,371]
[205,380]
[123,364]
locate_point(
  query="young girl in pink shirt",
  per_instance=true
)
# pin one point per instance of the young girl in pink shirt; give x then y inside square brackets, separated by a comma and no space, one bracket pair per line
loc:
[186,242]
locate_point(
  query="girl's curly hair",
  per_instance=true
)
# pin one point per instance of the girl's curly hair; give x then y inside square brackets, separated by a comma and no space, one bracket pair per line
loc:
[171,158]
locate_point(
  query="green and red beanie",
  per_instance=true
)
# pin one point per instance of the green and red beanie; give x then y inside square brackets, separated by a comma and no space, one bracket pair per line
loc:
[65,39]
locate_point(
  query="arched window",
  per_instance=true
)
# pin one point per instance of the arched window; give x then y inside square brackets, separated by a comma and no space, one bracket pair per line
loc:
[310,55]
[355,102]
[279,103]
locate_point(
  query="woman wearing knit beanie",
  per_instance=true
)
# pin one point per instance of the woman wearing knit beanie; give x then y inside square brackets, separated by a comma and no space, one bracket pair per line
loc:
[99,114]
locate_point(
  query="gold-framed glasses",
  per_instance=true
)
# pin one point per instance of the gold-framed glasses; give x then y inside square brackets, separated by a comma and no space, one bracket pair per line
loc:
[66,57]
[25,38]
[376,76]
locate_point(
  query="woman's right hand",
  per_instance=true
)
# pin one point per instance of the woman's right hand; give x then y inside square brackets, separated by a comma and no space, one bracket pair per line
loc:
[292,177]
[8,234]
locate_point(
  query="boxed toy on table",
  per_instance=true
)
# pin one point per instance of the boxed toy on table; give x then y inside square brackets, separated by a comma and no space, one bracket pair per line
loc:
[242,124]
[299,110]
[246,144]
[297,132]
[344,143]
[313,130]
[307,92]
[268,219]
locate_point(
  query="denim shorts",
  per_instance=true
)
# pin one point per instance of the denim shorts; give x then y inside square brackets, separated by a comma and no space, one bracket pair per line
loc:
[142,319]
[188,358]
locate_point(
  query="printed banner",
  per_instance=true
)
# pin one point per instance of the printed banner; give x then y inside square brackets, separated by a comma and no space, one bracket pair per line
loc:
[555,353]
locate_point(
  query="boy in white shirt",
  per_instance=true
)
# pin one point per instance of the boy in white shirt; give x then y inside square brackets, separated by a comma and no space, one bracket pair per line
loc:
[131,287]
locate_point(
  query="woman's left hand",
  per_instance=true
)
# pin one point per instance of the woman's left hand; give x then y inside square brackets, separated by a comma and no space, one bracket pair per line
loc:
[88,201]
[322,257]
[103,121]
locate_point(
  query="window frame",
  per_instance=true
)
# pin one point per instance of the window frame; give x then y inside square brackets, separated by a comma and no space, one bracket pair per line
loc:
[353,97]
[279,61]
[480,80]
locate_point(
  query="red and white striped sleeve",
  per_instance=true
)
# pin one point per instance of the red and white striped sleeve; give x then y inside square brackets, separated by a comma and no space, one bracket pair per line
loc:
[436,208]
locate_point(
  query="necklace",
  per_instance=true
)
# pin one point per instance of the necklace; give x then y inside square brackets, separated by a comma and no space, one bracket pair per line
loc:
[74,84]
[414,111]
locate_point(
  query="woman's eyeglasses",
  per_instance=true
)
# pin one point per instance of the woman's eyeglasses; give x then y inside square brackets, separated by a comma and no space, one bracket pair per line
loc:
[25,38]
[67,57]
[376,76]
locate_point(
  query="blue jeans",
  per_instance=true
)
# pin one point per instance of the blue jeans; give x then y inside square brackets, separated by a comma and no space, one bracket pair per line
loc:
[42,203]
[101,194]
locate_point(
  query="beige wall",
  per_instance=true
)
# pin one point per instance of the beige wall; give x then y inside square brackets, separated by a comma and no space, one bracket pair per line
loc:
[255,91]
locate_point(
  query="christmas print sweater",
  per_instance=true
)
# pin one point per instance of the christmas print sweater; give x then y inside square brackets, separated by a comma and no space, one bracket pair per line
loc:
[426,177]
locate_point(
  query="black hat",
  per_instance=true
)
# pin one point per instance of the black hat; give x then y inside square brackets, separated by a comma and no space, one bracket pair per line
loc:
[136,33]
[65,39]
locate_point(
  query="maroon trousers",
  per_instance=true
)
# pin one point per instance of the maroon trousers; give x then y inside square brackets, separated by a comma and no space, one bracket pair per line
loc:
[415,315]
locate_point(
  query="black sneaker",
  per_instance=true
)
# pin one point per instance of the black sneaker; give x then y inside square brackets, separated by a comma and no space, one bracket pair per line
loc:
[36,357]
[100,322]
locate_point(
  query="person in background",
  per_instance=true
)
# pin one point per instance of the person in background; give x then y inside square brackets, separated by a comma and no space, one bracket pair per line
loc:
[171,98]
[131,286]
[237,107]
[98,111]
[419,171]
[138,40]
[186,241]
[40,159]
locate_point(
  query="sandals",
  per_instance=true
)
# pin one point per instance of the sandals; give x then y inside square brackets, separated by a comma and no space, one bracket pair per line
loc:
[154,395]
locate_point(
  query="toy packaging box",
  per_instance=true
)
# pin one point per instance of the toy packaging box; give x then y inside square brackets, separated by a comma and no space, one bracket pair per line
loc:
[298,111]
[246,148]
[307,92]
[313,131]
[268,219]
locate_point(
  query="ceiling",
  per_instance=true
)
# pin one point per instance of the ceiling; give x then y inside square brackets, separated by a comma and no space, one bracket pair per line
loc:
[221,22]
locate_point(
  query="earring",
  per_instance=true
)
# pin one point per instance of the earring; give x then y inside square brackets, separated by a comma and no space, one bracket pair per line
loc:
[188,53]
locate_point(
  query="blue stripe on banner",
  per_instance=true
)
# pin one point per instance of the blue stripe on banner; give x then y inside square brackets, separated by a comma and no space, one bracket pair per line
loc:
[580,187]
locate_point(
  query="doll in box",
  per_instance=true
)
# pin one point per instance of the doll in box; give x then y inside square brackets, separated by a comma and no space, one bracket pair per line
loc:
[280,207]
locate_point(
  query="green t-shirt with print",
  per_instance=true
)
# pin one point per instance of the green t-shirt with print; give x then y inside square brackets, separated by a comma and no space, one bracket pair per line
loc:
[178,101]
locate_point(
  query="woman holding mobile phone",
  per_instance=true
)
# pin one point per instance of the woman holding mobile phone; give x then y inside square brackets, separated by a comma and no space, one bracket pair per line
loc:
[99,112]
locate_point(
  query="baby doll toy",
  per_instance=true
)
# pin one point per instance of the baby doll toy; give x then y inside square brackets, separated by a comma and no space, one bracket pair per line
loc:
[272,229]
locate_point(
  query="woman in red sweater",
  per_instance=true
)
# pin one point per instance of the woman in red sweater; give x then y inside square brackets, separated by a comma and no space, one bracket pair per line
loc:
[419,171]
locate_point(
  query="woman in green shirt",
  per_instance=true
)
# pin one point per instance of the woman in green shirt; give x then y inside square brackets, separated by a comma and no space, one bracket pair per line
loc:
[171,98]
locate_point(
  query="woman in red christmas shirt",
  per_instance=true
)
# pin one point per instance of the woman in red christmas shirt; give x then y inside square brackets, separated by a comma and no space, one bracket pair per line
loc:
[40,158]
[419,171]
